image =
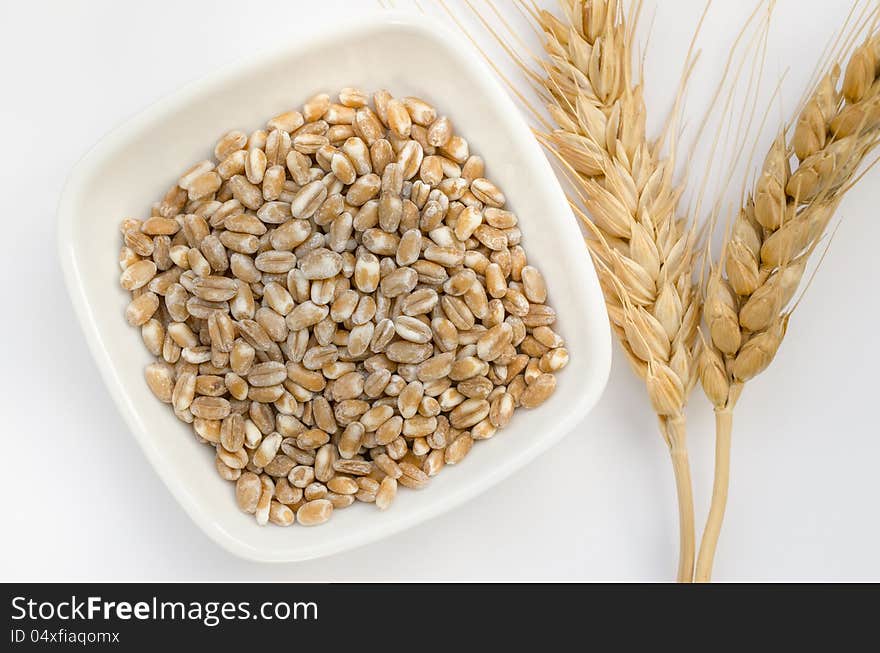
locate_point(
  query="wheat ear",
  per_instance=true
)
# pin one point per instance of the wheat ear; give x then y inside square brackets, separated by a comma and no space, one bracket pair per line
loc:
[623,191]
[781,224]
[644,252]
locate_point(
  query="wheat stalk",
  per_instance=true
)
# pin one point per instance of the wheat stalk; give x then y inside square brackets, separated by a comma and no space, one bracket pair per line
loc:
[781,224]
[626,196]
[644,252]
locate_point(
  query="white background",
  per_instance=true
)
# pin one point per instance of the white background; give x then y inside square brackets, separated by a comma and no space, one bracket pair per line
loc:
[81,503]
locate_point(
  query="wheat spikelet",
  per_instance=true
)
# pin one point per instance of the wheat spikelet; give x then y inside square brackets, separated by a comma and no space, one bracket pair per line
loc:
[781,224]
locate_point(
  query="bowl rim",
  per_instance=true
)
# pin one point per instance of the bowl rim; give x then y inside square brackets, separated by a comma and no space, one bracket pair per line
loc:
[600,363]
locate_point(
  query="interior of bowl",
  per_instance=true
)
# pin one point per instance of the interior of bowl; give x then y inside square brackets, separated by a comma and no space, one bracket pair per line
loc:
[138,162]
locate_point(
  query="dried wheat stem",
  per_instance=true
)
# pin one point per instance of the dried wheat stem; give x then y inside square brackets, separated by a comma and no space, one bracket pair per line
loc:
[781,224]
[675,433]
[712,531]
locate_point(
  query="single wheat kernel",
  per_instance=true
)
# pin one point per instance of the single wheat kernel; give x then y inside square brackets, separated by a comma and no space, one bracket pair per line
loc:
[386,493]
[314,512]
[280,514]
[458,449]
[247,491]
[160,379]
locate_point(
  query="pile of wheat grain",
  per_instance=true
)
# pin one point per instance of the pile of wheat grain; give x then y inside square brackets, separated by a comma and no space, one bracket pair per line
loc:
[339,303]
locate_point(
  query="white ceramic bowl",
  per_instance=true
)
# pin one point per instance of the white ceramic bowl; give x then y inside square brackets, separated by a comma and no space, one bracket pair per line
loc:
[134,165]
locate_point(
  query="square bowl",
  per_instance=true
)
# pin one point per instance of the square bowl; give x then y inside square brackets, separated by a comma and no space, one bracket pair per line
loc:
[137,162]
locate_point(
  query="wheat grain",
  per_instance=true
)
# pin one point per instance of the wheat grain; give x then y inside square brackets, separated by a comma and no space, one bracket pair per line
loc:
[312,329]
